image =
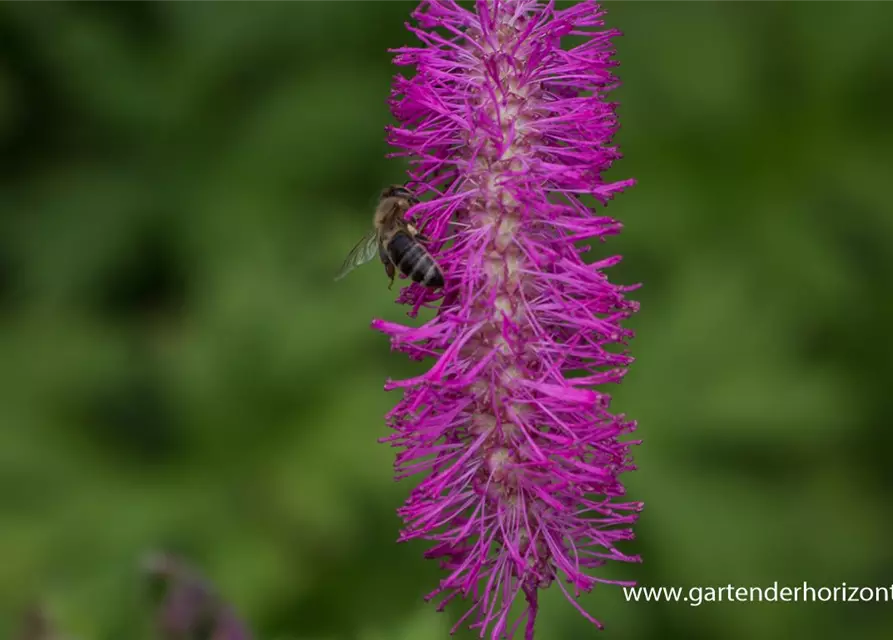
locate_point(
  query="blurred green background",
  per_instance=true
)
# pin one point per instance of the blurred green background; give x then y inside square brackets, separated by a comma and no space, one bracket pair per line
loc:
[177,369]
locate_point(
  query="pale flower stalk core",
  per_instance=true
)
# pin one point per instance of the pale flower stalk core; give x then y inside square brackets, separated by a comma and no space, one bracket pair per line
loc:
[519,455]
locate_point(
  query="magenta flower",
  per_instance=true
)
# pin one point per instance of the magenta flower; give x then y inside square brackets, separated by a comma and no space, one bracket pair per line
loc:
[520,457]
[189,607]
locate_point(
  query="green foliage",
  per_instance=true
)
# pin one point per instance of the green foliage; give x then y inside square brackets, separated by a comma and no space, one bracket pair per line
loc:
[180,182]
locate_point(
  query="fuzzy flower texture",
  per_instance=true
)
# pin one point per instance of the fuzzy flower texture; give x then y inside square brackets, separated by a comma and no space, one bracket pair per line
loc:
[519,455]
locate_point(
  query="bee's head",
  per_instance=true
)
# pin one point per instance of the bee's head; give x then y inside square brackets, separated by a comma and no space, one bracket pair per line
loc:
[399,191]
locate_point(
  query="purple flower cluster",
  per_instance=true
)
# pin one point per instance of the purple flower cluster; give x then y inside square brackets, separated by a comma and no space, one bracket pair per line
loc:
[190,607]
[519,455]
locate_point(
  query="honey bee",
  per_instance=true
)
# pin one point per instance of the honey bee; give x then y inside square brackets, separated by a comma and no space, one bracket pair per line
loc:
[398,244]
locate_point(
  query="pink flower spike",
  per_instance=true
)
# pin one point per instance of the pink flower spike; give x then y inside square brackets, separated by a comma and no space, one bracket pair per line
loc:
[519,456]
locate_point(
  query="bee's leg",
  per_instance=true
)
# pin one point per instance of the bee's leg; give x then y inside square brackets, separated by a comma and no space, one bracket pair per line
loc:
[414,232]
[389,266]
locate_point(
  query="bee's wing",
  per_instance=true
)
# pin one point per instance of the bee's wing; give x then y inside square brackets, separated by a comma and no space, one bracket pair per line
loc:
[363,252]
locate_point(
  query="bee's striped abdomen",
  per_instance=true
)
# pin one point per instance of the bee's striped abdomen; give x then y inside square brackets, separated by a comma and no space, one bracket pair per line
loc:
[414,261]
